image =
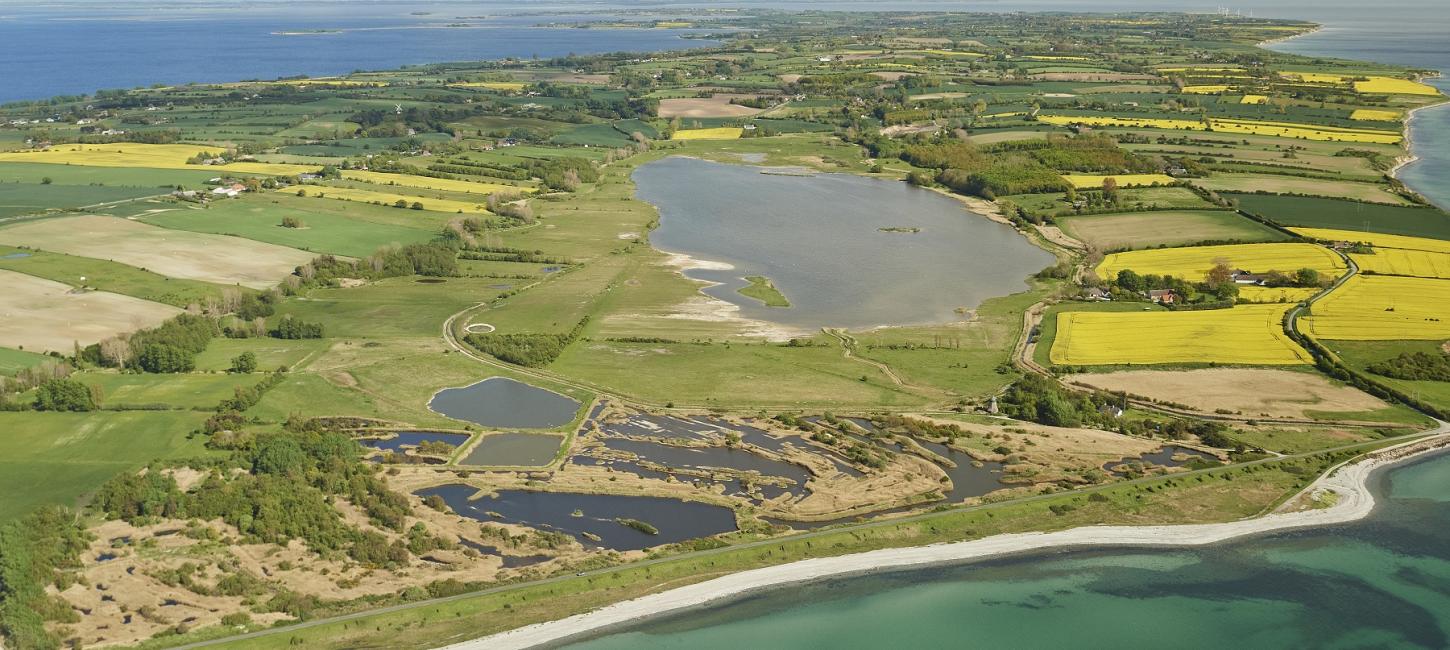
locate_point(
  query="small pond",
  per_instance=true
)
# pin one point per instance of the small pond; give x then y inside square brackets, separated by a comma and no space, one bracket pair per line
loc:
[676,520]
[818,239]
[968,480]
[509,561]
[1163,458]
[703,457]
[656,426]
[514,450]
[504,403]
[413,439]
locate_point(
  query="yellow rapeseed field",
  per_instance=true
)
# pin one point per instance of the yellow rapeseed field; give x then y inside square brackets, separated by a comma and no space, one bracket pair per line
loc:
[1250,127]
[332,83]
[428,183]
[1207,89]
[1201,69]
[1086,181]
[158,156]
[1306,132]
[1246,334]
[1043,57]
[717,133]
[1383,308]
[387,198]
[1398,261]
[1378,240]
[1393,86]
[970,55]
[1253,293]
[1373,115]
[1135,122]
[512,86]
[1254,99]
[1315,77]
[1191,263]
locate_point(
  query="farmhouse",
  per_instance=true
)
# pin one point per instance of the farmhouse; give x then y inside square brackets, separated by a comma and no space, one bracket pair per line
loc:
[1241,276]
[1162,296]
[1096,293]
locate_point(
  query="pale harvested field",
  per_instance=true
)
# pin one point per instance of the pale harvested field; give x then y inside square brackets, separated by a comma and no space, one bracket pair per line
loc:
[1006,136]
[892,75]
[1251,391]
[1289,184]
[175,253]
[41,316]
[716,106]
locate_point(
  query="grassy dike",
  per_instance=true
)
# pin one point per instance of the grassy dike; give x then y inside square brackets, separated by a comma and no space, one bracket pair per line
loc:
[1202,496]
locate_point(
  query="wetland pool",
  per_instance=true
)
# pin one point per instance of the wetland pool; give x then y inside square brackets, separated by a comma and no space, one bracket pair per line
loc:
[817,238]
[503,402]
[597,514]
[514,450]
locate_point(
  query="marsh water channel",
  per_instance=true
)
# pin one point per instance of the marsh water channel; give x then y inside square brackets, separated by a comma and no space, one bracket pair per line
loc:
[820,239]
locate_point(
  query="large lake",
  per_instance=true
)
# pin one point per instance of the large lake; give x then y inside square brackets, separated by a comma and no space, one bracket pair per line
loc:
[1380,583]
[818,239]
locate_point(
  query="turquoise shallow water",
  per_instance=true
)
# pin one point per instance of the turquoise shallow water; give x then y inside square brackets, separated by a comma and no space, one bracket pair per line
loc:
[1381,583]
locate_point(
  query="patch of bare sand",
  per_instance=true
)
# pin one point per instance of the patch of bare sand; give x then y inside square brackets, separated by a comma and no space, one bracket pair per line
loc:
[714,106]
[1250,391]
[40,315]
[904,129]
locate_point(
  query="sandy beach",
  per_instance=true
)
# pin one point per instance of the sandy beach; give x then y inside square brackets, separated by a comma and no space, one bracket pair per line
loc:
[1350,482]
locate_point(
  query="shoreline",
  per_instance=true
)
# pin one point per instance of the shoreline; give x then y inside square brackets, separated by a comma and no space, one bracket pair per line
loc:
[1283,39]
[1350,481]
[1410,156]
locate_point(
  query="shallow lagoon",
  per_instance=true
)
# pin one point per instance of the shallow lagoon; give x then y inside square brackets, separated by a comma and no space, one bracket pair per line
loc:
[1383,582]
[503,402]
[818,239]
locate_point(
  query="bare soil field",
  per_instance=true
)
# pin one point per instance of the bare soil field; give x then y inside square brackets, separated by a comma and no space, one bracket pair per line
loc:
[40,315]
[176,253]
[892,75]
[1263,392]
[714,106]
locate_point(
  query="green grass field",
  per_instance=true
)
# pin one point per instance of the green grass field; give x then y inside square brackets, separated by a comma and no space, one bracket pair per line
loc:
[271,353]
[182,391]
[1360,354]
[26,198]
[60,457]
[392,307]
[1314,212]
[106,275]
[164,180]
[323,231]
[13,361]
[1111,232]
